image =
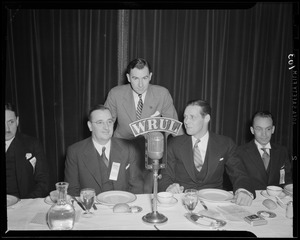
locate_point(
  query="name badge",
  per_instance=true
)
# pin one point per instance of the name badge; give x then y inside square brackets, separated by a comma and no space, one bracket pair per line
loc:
[282,176]
[115,167]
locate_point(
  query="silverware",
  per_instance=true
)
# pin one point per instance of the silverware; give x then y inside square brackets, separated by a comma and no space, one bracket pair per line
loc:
[215,223]
[79,203]
[203,204]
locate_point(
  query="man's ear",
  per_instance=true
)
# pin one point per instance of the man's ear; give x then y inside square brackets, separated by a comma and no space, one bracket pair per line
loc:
[252,130]
[207,118]
[89,124]
[273,129]
[128,77]
[17,121]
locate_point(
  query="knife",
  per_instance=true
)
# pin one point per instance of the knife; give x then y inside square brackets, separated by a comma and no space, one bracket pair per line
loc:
[79,203]
[203,204]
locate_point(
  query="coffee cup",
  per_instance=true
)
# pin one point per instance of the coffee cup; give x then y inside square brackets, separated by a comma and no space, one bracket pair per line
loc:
[165,197]
[274,190]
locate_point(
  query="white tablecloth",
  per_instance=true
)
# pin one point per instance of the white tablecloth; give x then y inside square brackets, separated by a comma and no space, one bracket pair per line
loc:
[30,214]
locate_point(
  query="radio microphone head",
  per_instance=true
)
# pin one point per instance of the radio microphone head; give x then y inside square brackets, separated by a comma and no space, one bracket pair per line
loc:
[155,145]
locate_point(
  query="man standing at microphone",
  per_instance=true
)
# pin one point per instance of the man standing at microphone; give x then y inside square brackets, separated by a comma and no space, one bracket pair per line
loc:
[137,100]
[198,159]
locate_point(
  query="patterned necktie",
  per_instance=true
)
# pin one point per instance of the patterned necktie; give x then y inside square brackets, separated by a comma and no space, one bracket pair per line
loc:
[266,158]
[103,156]
[197,156]
[139,107]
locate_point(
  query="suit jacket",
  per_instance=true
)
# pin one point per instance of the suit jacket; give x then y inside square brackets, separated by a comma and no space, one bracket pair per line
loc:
[82,169]
[121,104]
[220,155]
[32,171]
[260,178]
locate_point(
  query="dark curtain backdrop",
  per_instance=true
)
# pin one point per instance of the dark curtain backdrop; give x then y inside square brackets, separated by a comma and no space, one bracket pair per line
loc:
[60,62]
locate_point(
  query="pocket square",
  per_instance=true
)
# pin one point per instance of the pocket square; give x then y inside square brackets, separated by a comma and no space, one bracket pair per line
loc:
[221,159]
[127,166]
[28,155]
[156,114]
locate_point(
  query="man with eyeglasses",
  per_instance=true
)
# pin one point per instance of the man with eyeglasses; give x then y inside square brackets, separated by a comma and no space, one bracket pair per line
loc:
[26,165]
[101,161]
[266,163]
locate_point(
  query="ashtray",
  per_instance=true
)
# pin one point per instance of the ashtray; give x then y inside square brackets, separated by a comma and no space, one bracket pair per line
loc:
[266,214]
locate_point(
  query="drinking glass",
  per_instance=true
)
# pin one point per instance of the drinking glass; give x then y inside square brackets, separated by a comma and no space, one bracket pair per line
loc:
[190,199]
[87,197]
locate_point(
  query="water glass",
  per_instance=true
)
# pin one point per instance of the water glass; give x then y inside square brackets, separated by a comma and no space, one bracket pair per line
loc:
[190,199]
[87,198]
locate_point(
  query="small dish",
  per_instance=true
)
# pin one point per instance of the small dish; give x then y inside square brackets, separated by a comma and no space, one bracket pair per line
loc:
[266,214]
[172,203]
[266,195]
[135,209]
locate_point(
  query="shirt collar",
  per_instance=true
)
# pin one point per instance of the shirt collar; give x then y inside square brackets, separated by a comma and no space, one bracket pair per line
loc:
[259,146]
[99,147]
[203,140]
[7,143]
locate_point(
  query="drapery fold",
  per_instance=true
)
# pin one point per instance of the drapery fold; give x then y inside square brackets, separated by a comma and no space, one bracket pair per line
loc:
[59,62]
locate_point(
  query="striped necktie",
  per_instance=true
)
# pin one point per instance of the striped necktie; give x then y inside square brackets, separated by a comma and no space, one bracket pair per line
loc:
[266,158]
[197,156]
[139,108]
[103,156]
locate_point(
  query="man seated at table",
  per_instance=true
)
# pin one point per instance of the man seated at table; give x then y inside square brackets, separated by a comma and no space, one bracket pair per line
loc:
[187,167]
[100,161]
[26,166]
[266,163]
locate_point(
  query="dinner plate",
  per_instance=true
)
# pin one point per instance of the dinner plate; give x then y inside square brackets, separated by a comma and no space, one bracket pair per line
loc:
[170,204]
[114,197]
[11,200]
[266,195]
[49,201]
[215,195]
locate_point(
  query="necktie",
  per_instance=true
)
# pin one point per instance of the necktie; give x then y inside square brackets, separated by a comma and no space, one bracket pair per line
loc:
[139,107]
[197,156]
[266,158]
[103,156]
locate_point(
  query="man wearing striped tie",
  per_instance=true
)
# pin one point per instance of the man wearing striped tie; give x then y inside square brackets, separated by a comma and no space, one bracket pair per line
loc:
[199,158]
[137,100]
[266,163]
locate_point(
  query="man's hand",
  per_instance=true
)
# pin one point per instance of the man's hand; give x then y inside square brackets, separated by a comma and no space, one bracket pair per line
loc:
[175,188]
[243,198]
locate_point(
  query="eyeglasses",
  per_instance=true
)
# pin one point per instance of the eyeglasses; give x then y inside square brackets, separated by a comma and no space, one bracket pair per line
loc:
[100,123]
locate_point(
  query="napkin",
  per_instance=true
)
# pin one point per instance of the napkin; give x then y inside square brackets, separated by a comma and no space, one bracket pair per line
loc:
[234,212]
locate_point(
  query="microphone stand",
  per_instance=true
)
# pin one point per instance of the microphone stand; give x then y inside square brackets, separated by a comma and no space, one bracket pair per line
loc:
[155,217]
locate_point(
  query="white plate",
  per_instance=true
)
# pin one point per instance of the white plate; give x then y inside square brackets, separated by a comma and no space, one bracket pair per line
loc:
[215,195]
[172,203]
[11,200]
[49,201]
[266,195]
[114,197]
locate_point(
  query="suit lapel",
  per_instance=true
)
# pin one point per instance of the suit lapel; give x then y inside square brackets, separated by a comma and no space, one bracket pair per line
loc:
[274,162]
[116,155]
[91,161]
[212,155]
[128,104]
[187,156]
[255,157]
[150,102]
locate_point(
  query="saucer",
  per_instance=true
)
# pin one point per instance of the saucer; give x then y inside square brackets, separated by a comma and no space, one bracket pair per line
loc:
[172,203]
[266,195]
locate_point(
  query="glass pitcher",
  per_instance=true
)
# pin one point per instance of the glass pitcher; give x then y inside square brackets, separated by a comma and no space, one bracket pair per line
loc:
[61,215]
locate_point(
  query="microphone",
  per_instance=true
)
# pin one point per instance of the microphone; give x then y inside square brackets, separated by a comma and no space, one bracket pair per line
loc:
[155,145]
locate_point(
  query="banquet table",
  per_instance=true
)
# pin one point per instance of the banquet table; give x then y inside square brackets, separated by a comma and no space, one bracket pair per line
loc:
[30,214]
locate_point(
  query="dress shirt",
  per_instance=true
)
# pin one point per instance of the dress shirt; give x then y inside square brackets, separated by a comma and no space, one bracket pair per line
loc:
[202,145]
[136,98]
[99,148]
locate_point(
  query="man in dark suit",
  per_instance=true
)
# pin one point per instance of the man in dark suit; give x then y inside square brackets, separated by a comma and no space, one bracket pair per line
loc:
[100,161]
[277,170]
[123,103]
[26,166]
[215,153]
